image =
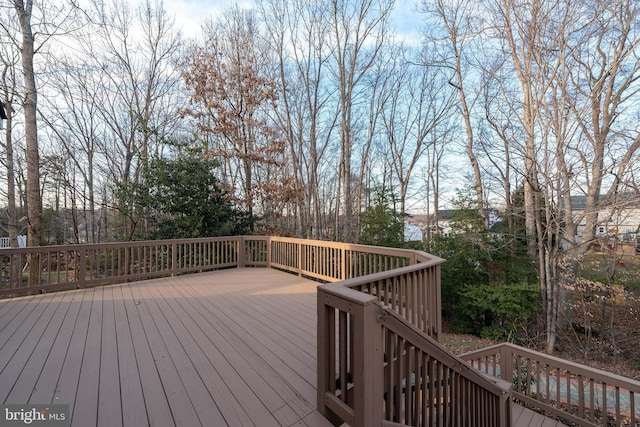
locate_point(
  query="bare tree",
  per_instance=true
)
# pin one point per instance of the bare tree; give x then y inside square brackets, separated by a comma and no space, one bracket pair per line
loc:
[75,124]
[137,94]
[306,117]
[605,74]
[459,21]
[359,31]
[9,80]
[24,11]
[496,140]
[418,104]
[576,69]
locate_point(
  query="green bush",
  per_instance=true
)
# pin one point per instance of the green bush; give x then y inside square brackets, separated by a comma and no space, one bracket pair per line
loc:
[187,200]
[180,197]
[381,224]
[465,264]
[497,310]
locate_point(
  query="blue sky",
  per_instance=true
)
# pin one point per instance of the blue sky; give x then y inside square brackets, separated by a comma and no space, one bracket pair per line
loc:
[190,13]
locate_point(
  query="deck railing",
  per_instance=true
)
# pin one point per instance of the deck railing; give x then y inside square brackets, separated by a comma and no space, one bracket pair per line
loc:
[576,393]
[83,265]
[333,261]
[376,368]
[80,266]
[379,360]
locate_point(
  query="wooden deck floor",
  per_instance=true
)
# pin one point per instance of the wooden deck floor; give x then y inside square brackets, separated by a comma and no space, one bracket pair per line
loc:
[523,417]
[234,347]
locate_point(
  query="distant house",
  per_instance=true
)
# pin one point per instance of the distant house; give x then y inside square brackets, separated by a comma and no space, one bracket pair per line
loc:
[620,219]
[3,115]
[5,242]
[446,219]
[412,233]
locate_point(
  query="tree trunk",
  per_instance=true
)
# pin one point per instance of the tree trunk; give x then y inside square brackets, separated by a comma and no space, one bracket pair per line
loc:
[34,200]
[12,214]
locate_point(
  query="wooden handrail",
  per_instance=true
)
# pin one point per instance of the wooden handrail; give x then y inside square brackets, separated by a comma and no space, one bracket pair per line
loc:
[412,291]
[361,341]
[352,341]
[378,327]
[79,266]
[454,393]
[397,324]
[82,265]
[576,393]
[382,322]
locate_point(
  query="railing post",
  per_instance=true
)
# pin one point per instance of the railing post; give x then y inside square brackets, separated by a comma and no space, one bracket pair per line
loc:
[368,372]
[268,251]
[242,251]
[506,363]
[505,402]
[174,259]
[438,301]
[82,272]
[323,335]
[299,245]
[326,353]
[506,374]
[343,267]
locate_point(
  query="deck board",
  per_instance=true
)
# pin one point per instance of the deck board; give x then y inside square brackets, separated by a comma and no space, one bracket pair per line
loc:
[235,347]
[110,402]
[270,357]
[181,407]
[45,387]
[167,325]
[67,385]
[229,409]
[20,347]
[524,417]
[155,400]
[21,391]
[133,402]
[85,408]
[240,402]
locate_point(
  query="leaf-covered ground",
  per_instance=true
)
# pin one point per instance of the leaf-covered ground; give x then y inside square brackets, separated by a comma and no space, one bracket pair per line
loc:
[605,334]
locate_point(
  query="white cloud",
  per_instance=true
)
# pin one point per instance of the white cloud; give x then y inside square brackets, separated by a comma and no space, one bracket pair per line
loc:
[406,20]
[190,14]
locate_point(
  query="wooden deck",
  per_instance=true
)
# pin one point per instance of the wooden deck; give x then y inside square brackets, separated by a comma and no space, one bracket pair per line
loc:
[234,347]
[523,417]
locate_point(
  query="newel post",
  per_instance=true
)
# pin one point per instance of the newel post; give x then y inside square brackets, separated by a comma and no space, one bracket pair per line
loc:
[323,352]
[343,264]
[506,363]
[438,301]
[506,375]
[368,372]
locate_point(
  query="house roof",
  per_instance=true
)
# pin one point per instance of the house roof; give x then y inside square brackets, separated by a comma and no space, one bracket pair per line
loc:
[628,198]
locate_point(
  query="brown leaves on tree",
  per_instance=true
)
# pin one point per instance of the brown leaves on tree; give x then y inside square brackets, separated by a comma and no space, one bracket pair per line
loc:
[231,97]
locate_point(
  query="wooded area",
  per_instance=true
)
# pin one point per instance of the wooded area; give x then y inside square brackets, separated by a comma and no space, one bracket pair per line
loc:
[314,118]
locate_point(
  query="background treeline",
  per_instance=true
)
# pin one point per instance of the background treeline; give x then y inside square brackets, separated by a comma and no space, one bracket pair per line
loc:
[313,118]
